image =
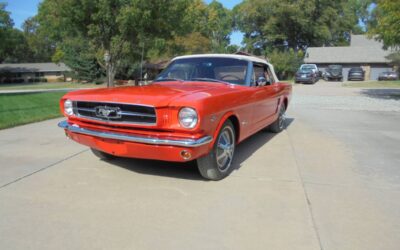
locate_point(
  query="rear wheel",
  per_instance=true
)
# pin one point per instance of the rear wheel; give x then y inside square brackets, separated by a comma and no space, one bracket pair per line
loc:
[280,123]
[102,155]
[216,165]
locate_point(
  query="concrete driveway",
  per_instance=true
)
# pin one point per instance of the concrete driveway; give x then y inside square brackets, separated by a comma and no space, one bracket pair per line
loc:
[330,181]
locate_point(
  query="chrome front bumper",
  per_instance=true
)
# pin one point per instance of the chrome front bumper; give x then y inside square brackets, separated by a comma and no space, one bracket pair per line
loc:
[190,143]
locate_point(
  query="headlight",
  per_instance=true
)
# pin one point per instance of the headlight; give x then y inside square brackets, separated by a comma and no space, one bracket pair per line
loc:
[68,109]
[188,117]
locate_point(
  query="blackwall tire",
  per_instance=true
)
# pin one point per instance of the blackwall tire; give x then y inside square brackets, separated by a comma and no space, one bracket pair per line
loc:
[217,164]
[280,123]
[102,155]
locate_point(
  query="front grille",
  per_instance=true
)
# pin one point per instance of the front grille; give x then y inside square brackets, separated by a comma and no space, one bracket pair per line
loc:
[116,112]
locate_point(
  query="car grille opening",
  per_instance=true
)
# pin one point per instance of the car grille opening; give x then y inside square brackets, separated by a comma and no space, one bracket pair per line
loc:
[116,112]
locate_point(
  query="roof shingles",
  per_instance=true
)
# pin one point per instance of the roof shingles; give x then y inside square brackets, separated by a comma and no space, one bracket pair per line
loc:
[361,50]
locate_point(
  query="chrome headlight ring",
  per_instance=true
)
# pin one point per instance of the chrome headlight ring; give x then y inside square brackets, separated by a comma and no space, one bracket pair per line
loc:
[188,117]
[68,107]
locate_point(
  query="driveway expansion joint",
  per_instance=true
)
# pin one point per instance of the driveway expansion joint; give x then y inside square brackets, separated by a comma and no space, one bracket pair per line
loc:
[306,196]
[42,169]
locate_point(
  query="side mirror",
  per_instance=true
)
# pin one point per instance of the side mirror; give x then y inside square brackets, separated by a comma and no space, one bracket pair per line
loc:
[261,81]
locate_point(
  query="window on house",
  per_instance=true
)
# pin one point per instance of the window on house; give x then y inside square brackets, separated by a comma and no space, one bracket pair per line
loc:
[39,74]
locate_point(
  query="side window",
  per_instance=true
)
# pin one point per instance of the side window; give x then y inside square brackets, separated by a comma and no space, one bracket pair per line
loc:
[258,71]
[264,71]
[268,75]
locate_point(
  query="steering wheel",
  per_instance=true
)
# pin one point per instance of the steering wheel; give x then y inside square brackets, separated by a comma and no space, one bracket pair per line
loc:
[231,76]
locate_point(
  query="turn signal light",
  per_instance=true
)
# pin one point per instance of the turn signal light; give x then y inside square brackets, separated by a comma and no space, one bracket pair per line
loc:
[186,155]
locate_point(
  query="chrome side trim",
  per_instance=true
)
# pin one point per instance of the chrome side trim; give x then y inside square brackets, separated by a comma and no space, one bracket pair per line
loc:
[190,143]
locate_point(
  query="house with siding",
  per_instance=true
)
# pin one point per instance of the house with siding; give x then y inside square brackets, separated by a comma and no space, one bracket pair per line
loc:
[362,52]
[32,72]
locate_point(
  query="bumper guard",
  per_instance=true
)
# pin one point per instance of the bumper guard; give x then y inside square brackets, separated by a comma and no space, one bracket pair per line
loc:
[190,143]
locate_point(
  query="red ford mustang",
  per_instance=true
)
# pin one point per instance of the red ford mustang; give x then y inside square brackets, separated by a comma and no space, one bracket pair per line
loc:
[199,108]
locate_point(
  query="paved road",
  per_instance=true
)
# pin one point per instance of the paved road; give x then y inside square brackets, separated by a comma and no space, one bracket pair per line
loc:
[330,181]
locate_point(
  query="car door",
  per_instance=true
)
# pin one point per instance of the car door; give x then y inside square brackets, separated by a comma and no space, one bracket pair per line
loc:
[265,98]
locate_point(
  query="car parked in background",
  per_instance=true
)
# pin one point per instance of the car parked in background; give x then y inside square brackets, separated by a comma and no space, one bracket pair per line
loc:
[356,74]
[388,75]
[305,76]
[312,67]
[199,108]
[334,73]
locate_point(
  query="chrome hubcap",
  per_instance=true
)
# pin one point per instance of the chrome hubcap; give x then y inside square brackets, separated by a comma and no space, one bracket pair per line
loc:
[225,149]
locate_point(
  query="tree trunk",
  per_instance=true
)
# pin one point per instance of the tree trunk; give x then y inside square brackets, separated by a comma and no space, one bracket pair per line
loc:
[110,71]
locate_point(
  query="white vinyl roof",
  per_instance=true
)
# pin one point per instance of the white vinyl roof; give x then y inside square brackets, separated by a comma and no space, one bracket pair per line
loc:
[240,57]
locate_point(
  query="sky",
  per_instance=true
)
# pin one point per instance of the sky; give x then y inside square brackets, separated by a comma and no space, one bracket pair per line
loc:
[22,9]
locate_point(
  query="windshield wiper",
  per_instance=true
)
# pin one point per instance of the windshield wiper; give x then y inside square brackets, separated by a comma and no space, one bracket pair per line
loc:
[208,79]
[168,79]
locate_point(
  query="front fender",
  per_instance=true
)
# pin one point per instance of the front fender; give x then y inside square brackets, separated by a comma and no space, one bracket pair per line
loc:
[221,122]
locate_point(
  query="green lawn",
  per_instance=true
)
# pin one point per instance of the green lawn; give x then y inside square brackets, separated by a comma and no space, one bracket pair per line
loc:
[373,84]
[48,85]
[18,109]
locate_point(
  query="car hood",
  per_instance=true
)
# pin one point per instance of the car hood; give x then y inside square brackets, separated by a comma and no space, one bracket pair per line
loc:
[156,94]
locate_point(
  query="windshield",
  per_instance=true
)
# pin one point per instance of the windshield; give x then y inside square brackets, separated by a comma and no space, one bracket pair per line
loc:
[227,70]
[307,67]
[305,71]
[335,67]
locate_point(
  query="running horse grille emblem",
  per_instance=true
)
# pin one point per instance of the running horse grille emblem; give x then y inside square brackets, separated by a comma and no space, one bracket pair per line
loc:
[106,112]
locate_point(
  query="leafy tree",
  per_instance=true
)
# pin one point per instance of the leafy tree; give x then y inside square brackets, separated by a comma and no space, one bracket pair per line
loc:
[203,29]
[17,48]
[117,28]
[6,25]
[41,48]
[386,23]
[394,60]
[219,25]
[231,49]
[193,43]
[75,53]
[281,24]
[361,11]
[286,63]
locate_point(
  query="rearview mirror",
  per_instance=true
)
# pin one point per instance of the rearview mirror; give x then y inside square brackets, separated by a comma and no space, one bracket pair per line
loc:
[261,81]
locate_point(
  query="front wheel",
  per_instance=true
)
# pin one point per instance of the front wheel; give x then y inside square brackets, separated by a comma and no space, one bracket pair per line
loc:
[216,165]
[280,123]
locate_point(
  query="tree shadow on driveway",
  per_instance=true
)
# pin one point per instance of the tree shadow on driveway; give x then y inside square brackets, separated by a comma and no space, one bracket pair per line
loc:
[387,94]
[188,170]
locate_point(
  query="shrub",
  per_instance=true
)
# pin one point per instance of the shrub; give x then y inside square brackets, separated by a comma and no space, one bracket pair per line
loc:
[286,63]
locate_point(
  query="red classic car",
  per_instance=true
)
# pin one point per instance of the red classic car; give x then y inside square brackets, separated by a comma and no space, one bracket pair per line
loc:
[199,108]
